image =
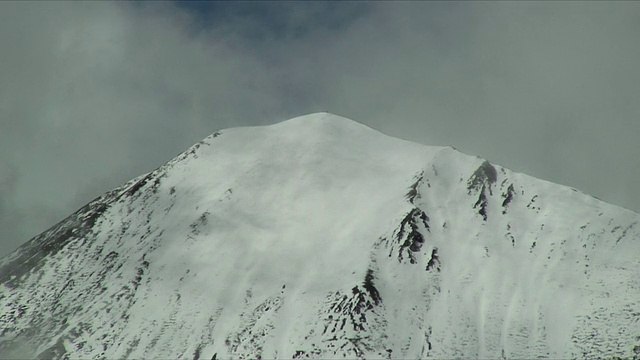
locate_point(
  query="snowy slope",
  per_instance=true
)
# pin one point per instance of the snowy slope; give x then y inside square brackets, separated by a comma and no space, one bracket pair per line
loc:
[320,237]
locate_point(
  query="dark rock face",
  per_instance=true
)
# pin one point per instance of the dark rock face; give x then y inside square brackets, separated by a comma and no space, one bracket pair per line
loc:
[409,234]
[481,183]
[484,177]
[371,288]
[434,261]
[508,197]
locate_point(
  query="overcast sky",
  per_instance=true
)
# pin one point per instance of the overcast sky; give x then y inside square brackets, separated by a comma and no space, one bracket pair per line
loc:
[93,94]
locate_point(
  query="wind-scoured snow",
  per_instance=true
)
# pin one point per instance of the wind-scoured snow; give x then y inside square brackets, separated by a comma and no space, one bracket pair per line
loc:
[319,237]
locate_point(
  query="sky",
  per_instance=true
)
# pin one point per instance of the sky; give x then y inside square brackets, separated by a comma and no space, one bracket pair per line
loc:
[93,94]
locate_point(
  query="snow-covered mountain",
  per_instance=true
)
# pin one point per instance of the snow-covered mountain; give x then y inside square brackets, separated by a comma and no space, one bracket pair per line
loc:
[319,237]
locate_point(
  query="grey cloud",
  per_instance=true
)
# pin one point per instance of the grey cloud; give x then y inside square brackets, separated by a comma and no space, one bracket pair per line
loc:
[544,88]
[99,93]
[96,93]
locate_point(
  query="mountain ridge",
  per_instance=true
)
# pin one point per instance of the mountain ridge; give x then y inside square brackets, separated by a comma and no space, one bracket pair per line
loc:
[321,237]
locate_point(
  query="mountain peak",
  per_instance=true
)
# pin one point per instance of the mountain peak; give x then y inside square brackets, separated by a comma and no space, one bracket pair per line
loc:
[324,124]
[322,117]
[319,237]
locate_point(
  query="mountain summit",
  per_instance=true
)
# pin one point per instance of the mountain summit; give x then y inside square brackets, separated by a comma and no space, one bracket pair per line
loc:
[319,237]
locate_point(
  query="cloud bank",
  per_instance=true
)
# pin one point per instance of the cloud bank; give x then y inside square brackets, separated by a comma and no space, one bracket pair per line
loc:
[96,93]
